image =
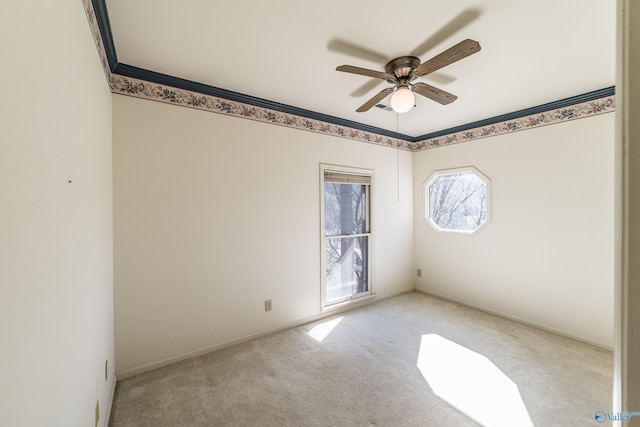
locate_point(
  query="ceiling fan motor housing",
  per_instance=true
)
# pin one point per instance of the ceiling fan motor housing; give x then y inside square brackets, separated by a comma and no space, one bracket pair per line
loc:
[401,67]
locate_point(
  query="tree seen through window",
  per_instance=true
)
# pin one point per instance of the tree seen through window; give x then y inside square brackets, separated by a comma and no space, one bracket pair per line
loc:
[457,201]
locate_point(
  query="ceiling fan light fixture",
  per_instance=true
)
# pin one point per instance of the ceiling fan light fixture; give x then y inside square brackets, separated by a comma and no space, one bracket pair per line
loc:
[402,99]
[404,69]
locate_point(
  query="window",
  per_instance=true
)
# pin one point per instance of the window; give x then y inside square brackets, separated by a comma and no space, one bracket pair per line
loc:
[346,234]
[457,200]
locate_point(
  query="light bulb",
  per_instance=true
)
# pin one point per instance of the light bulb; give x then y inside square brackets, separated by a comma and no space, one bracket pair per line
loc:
[402,100]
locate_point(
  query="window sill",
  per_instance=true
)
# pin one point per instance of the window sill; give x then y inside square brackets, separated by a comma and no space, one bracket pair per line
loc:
[348,304]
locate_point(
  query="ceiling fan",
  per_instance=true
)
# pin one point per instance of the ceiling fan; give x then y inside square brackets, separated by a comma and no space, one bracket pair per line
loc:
[403,70]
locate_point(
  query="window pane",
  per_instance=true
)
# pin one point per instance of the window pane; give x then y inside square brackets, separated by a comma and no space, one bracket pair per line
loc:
[345,209]
[458,201]
[347,268]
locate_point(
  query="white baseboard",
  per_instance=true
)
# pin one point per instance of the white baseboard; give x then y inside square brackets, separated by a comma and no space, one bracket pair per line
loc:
[517,319]
[190,355]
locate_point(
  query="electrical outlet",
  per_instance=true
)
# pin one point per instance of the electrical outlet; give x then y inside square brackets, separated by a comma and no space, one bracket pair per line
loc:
[97,412]
[419,272]
[267,305]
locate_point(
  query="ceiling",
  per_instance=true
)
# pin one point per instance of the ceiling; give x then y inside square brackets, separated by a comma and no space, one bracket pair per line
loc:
[287,51]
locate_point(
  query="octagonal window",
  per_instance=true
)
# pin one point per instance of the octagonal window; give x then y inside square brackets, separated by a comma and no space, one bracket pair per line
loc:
[457,200]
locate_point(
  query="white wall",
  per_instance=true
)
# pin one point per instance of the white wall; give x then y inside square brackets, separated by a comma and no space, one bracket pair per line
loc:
[213,215]
[547,257]
[56,279]
[207,205]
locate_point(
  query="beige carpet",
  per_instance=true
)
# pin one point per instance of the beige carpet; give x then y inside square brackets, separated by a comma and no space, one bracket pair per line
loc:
[412,360]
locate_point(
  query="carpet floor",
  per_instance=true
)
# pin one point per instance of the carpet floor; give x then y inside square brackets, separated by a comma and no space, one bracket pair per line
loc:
[411,360]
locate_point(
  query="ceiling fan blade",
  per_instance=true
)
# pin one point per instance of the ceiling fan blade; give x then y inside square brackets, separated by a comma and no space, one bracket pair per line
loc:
[456,24]
[434,93]
[351,49]
[461,50]
[363,71]
[373,101]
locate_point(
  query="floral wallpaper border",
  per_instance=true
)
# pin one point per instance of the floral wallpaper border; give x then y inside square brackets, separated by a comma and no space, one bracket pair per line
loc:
[97,37]
[170,95]
[573,112]
[156,92]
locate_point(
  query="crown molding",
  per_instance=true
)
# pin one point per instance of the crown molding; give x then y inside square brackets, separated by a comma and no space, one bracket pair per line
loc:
[97,34]
[555,105]
[212,91]
[152,91]
[577,107]
[133,81]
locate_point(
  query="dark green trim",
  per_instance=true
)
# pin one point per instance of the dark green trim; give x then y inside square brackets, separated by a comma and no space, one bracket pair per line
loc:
[556,105]
[102,18]
[163,79]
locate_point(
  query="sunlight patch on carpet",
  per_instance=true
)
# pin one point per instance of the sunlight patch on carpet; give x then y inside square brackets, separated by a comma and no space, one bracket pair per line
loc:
[471,383]
[320,331]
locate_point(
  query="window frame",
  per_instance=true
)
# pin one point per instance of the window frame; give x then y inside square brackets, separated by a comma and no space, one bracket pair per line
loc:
[325,304]
[452,171]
